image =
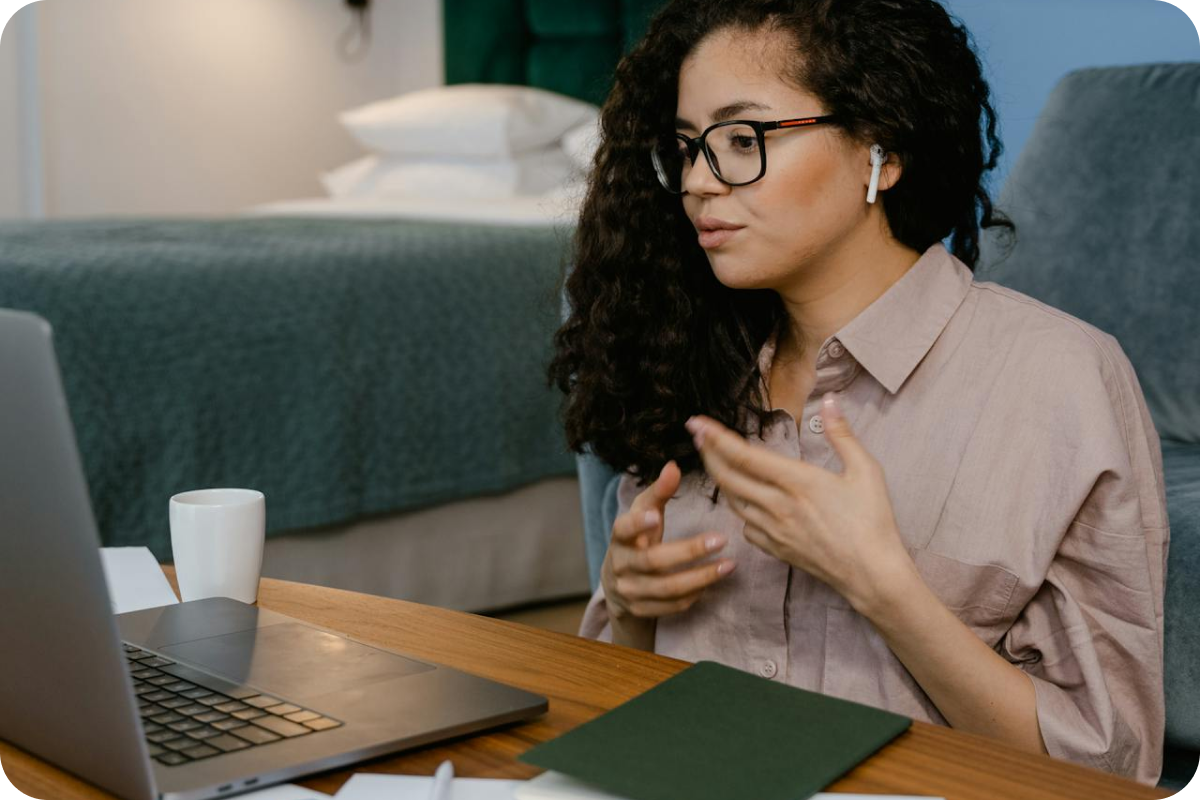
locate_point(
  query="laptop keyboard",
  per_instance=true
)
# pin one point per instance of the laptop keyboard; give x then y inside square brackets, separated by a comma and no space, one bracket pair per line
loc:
[185,721]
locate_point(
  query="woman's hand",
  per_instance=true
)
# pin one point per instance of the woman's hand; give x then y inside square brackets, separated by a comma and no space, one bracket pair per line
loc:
[839,528]
[643,578]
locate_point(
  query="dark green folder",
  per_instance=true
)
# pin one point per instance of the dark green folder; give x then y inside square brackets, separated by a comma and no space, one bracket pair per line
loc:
[715,733]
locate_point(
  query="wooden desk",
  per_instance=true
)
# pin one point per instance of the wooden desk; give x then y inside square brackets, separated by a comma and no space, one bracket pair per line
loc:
[584,678]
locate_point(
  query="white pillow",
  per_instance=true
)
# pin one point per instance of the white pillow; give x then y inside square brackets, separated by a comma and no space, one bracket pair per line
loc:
[466,119]
[382,177]
[581,142]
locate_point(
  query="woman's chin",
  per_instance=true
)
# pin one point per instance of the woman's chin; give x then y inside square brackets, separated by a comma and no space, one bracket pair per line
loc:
[739,276]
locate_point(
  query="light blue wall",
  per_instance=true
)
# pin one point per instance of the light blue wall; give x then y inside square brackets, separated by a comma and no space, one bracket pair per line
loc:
[1028,45]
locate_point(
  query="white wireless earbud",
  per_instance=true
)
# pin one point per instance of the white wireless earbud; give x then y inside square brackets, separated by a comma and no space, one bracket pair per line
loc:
[877,159]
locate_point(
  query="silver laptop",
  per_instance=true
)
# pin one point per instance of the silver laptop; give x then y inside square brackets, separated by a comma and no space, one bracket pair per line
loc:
[204,699]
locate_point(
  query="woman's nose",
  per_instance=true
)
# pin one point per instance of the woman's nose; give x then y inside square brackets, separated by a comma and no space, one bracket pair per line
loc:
[700,179]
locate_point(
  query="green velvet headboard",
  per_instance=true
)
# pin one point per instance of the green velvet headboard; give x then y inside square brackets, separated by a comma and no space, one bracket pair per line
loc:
[566,46]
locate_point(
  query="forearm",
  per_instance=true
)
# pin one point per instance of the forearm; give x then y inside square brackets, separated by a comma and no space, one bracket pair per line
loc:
[973,687]
[631,631]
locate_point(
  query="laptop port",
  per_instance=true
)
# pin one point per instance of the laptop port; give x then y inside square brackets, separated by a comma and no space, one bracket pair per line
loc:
[250,782]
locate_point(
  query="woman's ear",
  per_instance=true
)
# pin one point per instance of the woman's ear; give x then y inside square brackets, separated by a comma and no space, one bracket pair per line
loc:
[892,169]
[885,172]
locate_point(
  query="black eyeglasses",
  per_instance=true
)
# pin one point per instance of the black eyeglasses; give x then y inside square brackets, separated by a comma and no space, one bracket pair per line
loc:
[736,157]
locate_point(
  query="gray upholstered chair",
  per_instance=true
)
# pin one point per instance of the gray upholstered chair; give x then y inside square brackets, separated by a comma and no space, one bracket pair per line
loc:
[1106,197]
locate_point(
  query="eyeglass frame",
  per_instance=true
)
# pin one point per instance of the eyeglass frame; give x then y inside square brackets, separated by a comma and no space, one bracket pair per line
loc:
[697,144]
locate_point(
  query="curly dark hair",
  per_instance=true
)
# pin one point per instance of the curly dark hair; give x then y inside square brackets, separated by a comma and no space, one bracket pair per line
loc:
[653,337]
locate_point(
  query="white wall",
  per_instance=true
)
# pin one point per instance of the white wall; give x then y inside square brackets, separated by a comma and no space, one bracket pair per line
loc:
[203,107]
[11,198]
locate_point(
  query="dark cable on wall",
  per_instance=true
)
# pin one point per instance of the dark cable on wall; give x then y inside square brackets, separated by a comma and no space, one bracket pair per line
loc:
[356,40]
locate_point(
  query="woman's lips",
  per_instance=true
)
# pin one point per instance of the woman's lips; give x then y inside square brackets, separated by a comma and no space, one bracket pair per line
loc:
[715,238]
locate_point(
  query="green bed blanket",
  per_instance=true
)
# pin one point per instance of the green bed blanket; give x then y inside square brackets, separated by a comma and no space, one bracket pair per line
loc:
[345,368]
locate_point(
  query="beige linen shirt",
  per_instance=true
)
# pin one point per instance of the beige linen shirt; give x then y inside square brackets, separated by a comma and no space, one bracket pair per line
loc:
[1026,479]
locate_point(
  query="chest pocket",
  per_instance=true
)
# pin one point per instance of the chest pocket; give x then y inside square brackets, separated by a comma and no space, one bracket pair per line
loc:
[979,594]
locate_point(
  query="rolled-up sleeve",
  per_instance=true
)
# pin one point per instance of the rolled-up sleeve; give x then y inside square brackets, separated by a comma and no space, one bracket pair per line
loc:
[595,623]
[1091,635]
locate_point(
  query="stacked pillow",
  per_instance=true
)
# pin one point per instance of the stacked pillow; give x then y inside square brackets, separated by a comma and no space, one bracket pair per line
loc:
[471,141]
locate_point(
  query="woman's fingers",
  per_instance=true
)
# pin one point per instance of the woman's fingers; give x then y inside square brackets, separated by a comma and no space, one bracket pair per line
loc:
[639,587]
[645,515]
[628,526]
[670,556]
[646,578]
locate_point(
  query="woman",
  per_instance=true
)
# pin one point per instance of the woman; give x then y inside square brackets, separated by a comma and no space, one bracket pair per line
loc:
[848,466]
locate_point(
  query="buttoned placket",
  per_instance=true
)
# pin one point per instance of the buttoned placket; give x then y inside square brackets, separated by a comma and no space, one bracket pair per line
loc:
[835,372]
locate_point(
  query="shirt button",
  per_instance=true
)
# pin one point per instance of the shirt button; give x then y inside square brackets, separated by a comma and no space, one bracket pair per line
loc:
[816,424]
[768,669]
[836,350]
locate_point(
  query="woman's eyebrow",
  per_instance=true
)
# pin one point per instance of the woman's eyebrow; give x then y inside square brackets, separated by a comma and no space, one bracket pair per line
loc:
[725,112]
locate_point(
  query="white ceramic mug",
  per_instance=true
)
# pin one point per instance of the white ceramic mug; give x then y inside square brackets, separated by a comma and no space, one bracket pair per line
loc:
[217,539]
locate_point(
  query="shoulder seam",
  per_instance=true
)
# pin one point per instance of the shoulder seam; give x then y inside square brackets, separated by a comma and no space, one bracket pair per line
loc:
[1089,331]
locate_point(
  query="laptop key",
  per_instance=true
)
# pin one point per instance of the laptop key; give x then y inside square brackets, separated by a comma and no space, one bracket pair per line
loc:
[151,727]
[174,702]
[172,759]
[213,684]
[157,696]
[197,693]
[151,711]
[181,743]
[281,726]
[166,718]
[262,701]
[192,710]
[201,751]
[229,724]
[143,674]
[155,750]
[144,689]
[283,709]
[210,716]
[322,724]
[212,699]
[231,706]
[164,735]
[249,713]
[157,661]
[228,743]
[203,733]
[302,716]
[178,686]
[256,735]
[163,680]
[185,726]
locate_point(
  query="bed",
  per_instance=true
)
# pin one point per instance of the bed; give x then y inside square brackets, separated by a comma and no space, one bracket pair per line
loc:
[377,369]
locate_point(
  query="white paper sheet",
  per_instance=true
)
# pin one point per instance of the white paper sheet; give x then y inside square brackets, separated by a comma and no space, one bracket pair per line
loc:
[547,786]
[556,786]
[135,580]
[416,787]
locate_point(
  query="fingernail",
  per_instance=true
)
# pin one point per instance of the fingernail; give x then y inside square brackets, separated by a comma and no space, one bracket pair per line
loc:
[832,409]
[725,567]
[651,519]
[692,425]
[714,543]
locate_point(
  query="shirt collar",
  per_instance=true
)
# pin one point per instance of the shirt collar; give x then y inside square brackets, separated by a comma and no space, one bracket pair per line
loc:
[891,336]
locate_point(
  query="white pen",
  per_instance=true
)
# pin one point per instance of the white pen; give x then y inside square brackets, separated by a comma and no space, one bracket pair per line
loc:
[442,781]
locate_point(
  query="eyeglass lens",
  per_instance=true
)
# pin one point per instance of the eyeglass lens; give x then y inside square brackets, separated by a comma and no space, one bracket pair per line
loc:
[733,148]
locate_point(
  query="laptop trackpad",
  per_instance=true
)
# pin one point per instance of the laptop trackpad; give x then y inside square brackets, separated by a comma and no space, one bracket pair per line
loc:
[294,660]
